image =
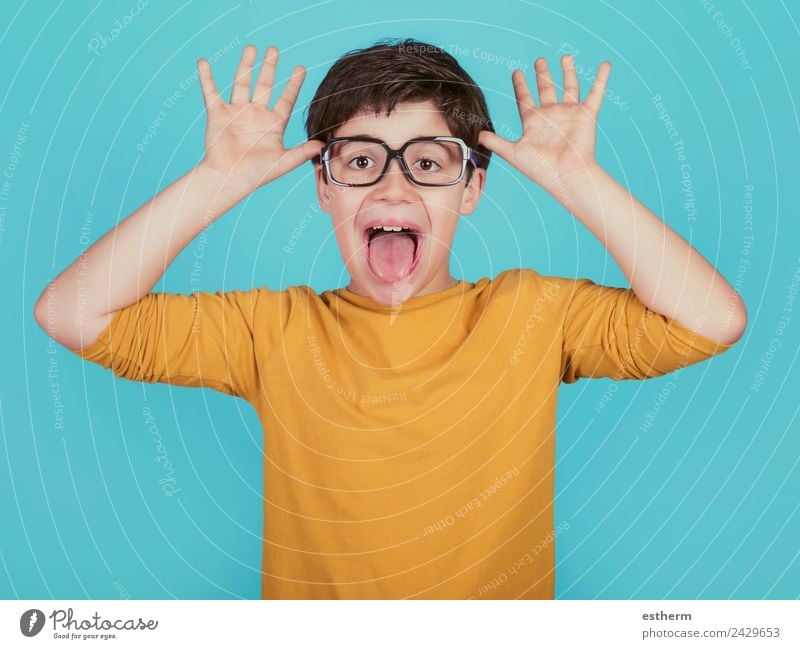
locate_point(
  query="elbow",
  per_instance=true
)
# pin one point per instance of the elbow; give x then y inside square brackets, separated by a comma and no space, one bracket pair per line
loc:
[58,320]
[738,322]
[48,314]
[40,310]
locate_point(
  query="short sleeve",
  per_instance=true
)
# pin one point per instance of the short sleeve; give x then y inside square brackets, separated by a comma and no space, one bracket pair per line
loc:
[197,340]
[609,332]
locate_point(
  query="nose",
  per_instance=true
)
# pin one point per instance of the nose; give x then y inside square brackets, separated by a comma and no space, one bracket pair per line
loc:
[395,184]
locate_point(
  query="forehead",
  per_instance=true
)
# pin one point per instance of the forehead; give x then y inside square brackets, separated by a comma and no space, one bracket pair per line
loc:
[408,120]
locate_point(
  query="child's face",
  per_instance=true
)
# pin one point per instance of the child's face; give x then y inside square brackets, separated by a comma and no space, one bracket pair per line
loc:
[397,267]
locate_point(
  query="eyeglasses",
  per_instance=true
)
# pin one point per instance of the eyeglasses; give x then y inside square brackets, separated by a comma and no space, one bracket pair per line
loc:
[435,161]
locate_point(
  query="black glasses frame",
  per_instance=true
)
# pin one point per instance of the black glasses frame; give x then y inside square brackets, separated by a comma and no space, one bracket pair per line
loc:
[468,155]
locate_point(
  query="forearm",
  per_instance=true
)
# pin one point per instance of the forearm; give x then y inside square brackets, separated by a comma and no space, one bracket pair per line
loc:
[664,270]
[126,262]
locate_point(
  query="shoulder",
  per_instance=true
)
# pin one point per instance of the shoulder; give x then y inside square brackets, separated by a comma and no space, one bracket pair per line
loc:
[534,285]
[522,293]
[560,296]
[299,298]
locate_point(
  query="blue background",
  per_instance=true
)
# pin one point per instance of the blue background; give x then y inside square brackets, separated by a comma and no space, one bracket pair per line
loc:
[702,504]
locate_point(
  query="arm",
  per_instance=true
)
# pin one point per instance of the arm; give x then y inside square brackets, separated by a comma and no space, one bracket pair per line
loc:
[126,262]
[244,150]
[556,150]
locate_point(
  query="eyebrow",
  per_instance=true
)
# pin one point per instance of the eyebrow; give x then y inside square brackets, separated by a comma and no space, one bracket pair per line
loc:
[377,138]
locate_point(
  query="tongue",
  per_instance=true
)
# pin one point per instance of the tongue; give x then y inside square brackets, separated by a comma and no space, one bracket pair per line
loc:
[391,255]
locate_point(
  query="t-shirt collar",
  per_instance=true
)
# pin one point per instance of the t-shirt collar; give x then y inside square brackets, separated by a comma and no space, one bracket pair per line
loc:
[414,302]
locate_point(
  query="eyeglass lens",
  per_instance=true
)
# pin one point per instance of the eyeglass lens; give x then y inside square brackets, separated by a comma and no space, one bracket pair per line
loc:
[432,162]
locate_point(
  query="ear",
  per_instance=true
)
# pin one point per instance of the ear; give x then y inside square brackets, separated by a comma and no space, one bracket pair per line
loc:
[323,188]
[473,192]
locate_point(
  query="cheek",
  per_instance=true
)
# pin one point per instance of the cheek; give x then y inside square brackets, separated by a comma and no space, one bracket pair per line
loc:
[444,215]
[343,216]
[443,240]
[444,203]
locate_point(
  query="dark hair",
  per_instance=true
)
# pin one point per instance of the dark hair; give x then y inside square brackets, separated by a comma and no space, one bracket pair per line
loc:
[391,71]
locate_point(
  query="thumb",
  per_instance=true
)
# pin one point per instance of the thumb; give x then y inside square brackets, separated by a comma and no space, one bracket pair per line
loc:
[301,153]
[496,144]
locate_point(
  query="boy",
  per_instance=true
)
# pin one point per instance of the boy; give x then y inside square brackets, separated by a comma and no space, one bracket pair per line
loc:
[408,417]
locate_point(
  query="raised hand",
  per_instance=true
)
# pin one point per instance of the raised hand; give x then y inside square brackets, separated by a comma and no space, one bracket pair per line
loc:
[558,139]
[244,138]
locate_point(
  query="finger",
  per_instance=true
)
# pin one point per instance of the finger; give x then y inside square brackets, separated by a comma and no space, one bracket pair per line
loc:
[211,97]
[496,144]
[547,91]
[301,153]
[595,98]
[572,91]
[266,78]
[286,101]
[240,94]
[525,101]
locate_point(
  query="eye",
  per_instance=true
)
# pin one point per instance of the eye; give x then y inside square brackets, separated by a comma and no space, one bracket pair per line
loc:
[361,162]
[427,165]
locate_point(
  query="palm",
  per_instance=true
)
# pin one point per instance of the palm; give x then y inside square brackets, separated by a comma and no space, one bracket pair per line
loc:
[244,138]
[243,133]
[562,135]
[557,138]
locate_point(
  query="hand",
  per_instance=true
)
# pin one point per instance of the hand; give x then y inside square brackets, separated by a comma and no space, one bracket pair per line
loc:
[244,139]
[557,140]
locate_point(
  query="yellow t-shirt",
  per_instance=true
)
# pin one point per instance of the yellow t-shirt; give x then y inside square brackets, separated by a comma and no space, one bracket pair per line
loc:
[409,452]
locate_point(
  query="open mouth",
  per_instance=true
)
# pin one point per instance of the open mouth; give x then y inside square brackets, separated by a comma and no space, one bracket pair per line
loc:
[392,248]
